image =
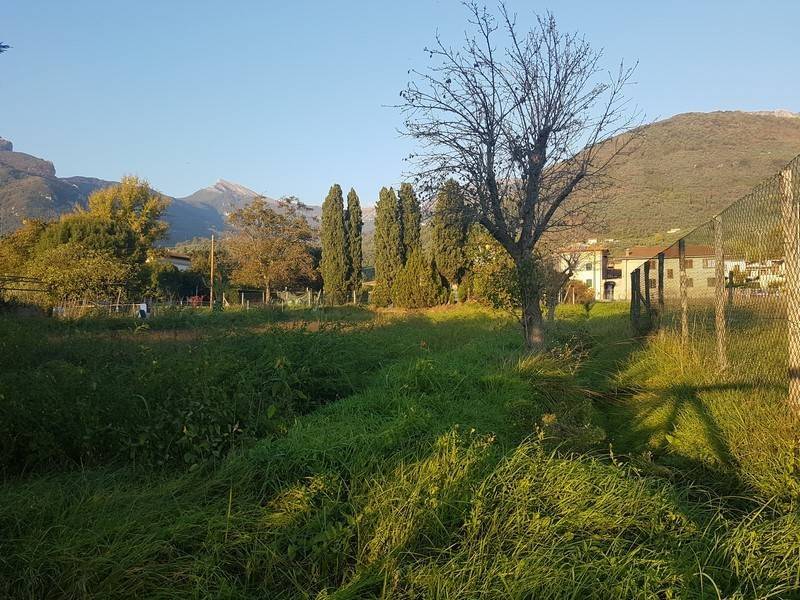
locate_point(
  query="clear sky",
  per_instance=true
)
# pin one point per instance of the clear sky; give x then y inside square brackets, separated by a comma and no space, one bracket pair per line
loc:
[289,97]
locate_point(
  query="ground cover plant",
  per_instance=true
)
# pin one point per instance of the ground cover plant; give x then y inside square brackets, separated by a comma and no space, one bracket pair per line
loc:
[451,465]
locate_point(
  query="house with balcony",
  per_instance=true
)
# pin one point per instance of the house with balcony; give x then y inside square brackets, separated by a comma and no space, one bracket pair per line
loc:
[608,272]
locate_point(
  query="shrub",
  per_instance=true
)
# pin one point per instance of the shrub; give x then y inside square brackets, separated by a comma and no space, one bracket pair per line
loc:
[380,296]
[418,284]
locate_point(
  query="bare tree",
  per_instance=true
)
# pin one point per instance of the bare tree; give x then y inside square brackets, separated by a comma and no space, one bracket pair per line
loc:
[558,268]
[524,126]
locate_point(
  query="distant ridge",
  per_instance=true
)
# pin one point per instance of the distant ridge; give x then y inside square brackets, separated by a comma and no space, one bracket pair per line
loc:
[691,166]
[687,168]
[781,113]
[29,188]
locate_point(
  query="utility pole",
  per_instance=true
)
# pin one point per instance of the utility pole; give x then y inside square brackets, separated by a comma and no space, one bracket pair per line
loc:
[211,287]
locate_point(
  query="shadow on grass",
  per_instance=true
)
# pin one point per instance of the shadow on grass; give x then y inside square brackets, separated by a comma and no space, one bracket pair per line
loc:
[286,516]
[675,427]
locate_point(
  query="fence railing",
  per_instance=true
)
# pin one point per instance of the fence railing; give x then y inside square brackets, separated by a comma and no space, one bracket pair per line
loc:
[731,288]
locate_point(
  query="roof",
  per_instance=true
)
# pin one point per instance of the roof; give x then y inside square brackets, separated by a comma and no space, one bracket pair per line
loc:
[177,256]
[645,252]
[583,248]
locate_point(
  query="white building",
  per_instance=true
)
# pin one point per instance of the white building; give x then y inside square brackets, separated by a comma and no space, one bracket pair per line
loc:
[609,274]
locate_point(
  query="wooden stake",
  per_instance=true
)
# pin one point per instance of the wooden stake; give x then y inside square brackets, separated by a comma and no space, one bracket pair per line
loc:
[635,299]
[720,325]
[661,283]
[791,245]
[684,290]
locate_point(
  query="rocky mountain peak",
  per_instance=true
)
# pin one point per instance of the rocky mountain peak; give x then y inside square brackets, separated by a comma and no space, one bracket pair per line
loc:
[229,187]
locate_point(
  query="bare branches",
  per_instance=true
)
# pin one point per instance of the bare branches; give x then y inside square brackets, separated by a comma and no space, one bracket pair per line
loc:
[523,119]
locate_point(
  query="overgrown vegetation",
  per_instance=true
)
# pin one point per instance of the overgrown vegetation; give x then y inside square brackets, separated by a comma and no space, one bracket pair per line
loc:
[450,466]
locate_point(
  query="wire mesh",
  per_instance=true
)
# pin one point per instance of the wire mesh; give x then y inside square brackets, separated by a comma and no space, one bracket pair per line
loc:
[729,289]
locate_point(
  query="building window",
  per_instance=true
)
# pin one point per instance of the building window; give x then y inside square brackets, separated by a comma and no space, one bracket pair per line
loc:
[588,283]
[689,263]
[709,263]
[587,267]
[652,283]
[711,281]
[670,274]
[689,282]
[653,264]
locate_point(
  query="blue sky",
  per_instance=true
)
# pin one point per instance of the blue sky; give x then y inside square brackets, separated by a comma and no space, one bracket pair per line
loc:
[289,97]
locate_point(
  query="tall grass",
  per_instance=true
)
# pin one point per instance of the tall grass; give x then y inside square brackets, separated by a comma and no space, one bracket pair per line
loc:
[731,429]
[458,467]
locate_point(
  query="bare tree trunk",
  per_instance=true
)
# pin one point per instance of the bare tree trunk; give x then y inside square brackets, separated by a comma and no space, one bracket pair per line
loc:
[530,296]
[552,301]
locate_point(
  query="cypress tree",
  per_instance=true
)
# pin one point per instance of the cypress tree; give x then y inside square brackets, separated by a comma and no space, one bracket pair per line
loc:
[411,219]
[449,224]
[333,265]
[418,285]
[354,227]
[388,245]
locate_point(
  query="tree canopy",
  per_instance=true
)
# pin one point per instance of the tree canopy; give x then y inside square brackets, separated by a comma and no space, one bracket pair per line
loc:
[410,219]
[355,225]
[335,256]
[449,229]
[270,247]
[388,241]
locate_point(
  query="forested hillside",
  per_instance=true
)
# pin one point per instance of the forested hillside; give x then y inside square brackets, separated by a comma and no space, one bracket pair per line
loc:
[687,168]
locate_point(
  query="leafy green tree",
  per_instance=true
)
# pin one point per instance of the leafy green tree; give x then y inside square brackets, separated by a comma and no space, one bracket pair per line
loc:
[270,247]
[388,242]
[17,248]
[491,277]
[133,202]
[418,284]
[410,219]
[449,224]
[335,260]
[87,252]
[199,274]
[355,224]
[95,232]
[74,271]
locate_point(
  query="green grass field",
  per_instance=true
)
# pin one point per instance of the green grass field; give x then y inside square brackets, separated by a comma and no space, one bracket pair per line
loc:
[351,454]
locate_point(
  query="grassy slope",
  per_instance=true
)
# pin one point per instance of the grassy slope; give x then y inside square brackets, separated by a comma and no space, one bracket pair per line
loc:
[425,482]
[691,166]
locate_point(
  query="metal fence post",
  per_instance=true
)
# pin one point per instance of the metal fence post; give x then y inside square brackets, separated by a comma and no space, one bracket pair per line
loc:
[647,286]
[791,244]
[684,290]
[719,295]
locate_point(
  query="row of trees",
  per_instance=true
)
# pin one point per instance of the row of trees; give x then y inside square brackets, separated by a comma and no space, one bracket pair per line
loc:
[108,252]
[405,274]
[341,240]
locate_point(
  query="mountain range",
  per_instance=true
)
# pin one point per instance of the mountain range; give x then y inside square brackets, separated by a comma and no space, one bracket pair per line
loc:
[684,170]
[29,188]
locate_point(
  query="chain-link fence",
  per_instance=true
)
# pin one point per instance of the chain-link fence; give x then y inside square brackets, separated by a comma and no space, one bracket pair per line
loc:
[731,288]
